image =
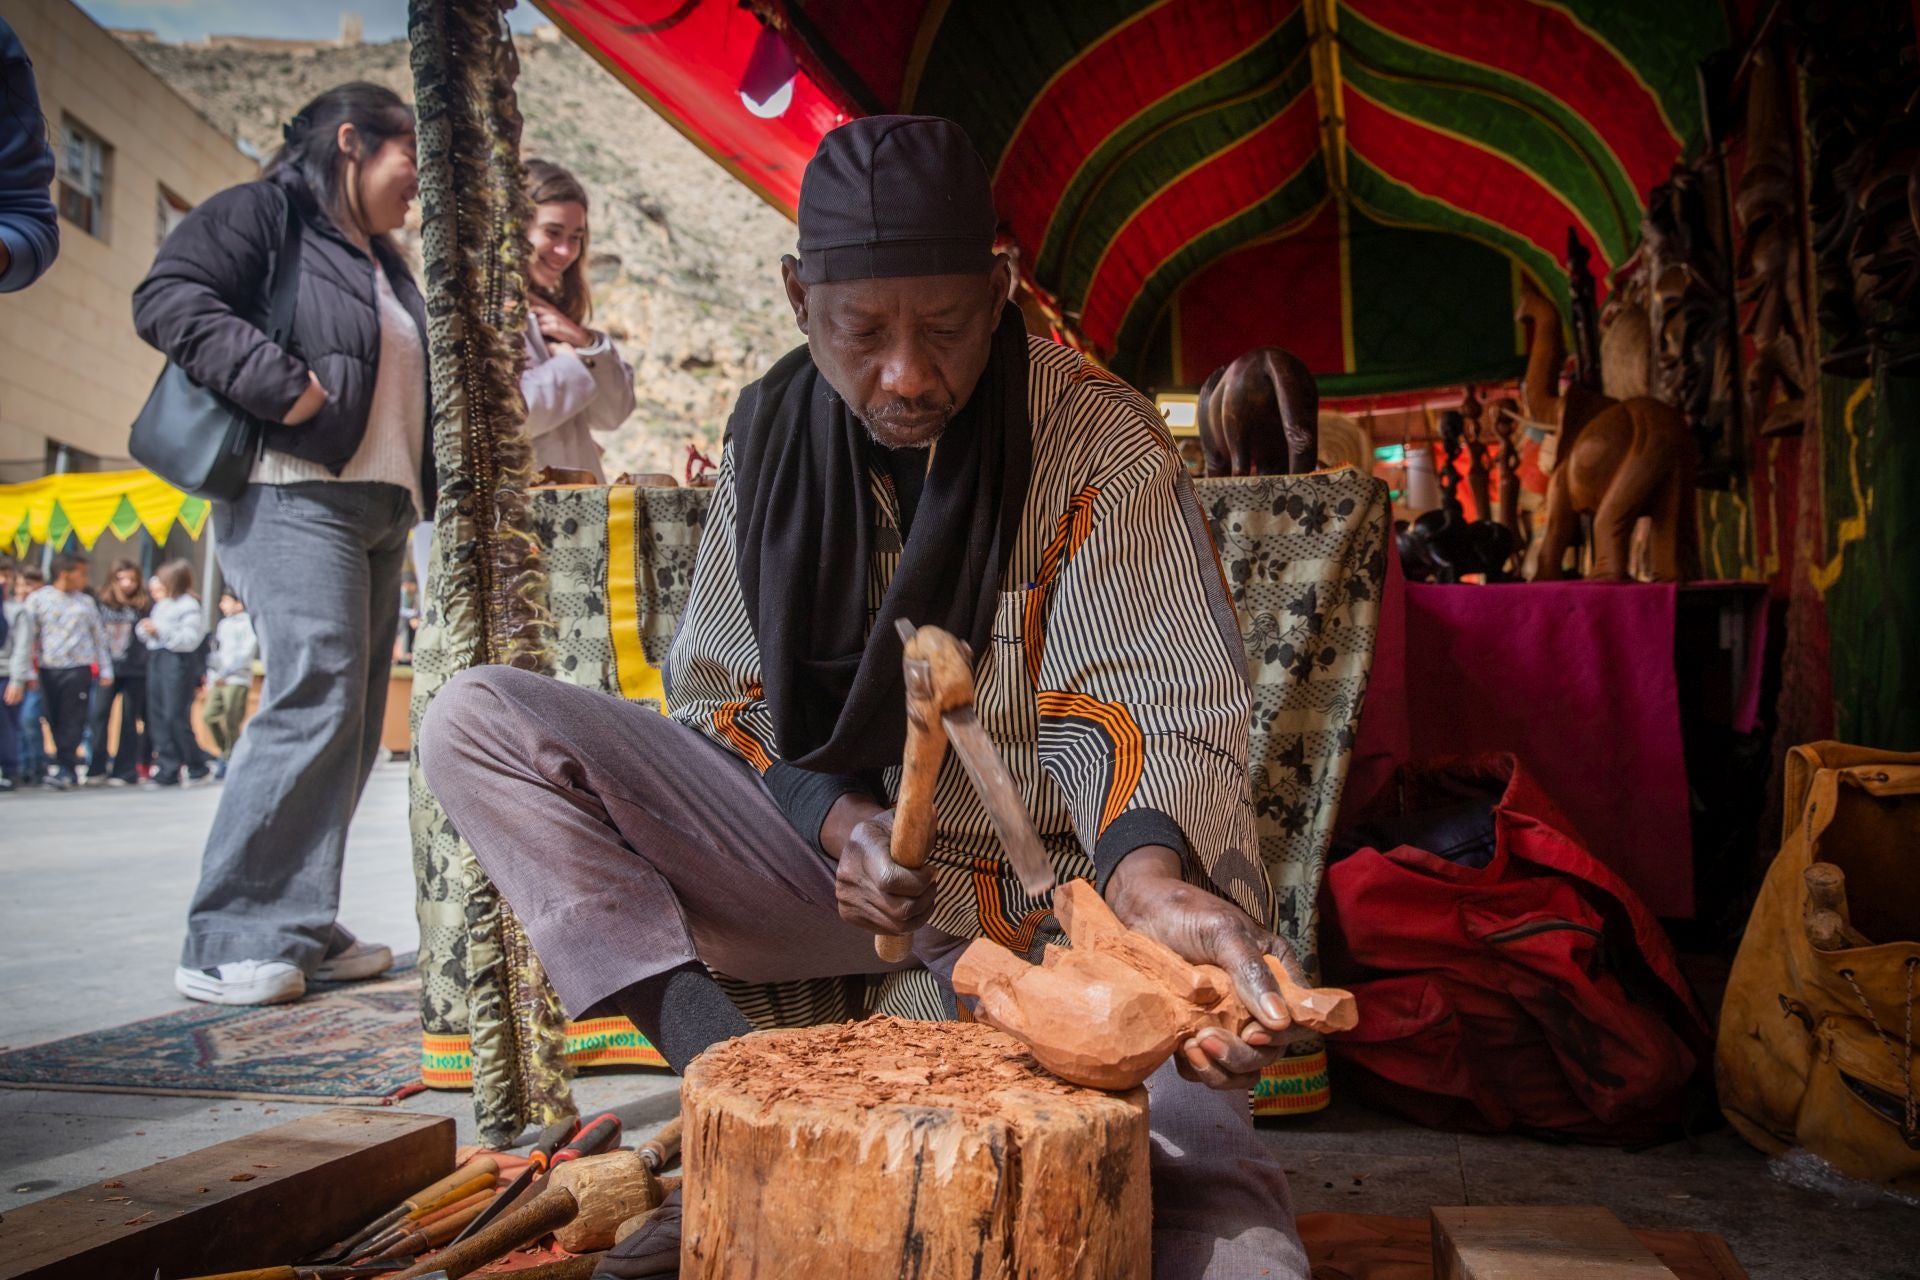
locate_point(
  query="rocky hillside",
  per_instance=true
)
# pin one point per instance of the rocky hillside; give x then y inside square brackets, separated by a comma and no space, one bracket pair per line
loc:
[685,262]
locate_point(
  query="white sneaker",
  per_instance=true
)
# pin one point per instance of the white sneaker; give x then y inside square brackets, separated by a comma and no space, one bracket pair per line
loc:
[357,963]
[242,982]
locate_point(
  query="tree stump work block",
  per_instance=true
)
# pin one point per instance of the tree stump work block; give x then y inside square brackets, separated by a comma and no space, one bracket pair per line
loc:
[881,1149]
[256,1201]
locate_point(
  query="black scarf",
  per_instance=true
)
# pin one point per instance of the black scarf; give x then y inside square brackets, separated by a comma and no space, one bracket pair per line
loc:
[805,534]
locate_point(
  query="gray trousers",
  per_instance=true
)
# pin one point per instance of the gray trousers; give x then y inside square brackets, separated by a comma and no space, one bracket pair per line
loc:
[319,566]
[629,845]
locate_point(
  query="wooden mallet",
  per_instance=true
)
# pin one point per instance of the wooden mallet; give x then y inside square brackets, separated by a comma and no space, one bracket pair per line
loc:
[939,675]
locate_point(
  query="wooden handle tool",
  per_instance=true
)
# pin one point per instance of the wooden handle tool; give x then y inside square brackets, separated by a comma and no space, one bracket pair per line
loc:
[441,1229]
[663,1148]
[552,1208]
[551,1139]
[387,1244]
[357,1243]
[597,1135]
[939,675]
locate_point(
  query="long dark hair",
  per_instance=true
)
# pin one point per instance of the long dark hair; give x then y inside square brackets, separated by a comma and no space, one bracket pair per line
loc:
[548,183]
[112,594]
[310,160]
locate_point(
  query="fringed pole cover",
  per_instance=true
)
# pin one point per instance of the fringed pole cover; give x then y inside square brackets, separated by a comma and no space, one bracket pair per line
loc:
[486,590]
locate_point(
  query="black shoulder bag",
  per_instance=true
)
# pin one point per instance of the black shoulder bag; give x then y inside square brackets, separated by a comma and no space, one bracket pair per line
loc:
[197,440]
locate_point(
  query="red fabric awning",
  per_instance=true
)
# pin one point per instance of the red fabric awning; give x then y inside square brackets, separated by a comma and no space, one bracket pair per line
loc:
[1138,144]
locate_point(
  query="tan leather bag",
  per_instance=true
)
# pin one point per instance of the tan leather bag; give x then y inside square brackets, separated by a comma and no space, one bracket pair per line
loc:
[1816,1047]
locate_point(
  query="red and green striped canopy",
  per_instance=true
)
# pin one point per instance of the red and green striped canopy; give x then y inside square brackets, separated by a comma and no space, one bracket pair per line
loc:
[1357,180]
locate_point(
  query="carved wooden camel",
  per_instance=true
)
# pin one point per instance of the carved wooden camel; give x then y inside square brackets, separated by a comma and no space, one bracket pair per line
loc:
[1540,393]
[1616,462]
[1259,416]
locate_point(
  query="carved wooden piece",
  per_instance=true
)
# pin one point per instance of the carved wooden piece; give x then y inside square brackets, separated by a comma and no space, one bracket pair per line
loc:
[1862,182]
[562,478]
[939,678]
[1539,1242]
[1769,266]
[1107,1012]
[1479,480]
[1634,459]
[1546,354]
[1505,427]
[609,1189]
[877,1149]
[1259,416]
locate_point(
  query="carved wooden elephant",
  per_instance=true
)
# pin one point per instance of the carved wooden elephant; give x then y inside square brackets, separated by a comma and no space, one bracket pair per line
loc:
[1259,416]
[1633,459]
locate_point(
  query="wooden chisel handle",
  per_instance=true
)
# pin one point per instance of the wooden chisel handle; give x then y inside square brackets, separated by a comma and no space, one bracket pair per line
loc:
[551,1209]
[662,1148]
[478,1181]
[467,1172]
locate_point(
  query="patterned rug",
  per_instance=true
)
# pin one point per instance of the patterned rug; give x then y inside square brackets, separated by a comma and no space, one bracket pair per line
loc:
[347,1042]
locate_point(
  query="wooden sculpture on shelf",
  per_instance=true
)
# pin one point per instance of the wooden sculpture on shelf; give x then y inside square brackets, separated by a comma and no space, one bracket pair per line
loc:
[1259,416]
[1540,392]
[1688,282]
[1626,336]
[1634,459]
[1506,425]
[1442,545]
[1769,264]
[1863,182]
[1109,1010]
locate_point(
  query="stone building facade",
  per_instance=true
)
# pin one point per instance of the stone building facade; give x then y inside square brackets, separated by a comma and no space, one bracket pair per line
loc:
[133,157]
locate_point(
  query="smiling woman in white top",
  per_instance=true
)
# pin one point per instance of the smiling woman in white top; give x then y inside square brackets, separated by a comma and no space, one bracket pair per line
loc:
[575,382]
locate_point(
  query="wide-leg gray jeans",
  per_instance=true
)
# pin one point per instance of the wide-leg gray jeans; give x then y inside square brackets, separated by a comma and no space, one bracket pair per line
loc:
[319,566]
[629,845]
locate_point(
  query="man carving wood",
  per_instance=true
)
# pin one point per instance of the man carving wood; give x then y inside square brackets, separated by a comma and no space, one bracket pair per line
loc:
[920,458]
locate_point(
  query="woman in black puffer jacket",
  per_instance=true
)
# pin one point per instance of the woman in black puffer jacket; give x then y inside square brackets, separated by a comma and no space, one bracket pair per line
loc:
[316,543]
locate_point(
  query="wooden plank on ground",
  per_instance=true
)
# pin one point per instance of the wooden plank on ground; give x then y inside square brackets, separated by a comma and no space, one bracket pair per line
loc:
[1548,1242]
[260,1200]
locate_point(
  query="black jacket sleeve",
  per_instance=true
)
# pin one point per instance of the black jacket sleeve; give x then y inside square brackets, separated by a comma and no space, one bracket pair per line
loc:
[201,297]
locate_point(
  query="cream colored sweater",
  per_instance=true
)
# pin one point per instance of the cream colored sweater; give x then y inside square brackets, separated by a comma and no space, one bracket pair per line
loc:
[396,421]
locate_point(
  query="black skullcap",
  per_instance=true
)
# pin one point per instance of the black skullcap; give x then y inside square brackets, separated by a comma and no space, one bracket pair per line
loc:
[895,196]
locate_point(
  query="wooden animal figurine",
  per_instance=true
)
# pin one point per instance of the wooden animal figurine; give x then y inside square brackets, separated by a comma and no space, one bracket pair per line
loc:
[1107,1012]
[1634,459]
[1546,354]
[1259,416]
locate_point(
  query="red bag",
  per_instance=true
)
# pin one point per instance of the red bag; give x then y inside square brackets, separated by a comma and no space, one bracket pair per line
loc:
[1534,993]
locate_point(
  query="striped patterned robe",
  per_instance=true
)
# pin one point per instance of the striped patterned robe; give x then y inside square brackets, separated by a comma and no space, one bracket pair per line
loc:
[1114,685]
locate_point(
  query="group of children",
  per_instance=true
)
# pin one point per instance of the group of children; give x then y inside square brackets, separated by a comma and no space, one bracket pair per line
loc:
[67,656]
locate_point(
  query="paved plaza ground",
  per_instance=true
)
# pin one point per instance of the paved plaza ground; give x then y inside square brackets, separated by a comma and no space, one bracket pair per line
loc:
[93,894]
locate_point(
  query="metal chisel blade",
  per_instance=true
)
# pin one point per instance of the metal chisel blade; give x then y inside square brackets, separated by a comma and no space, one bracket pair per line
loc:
[995,785]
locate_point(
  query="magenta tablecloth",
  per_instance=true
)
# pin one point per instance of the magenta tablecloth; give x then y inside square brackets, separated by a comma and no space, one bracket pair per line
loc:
[1574,678]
